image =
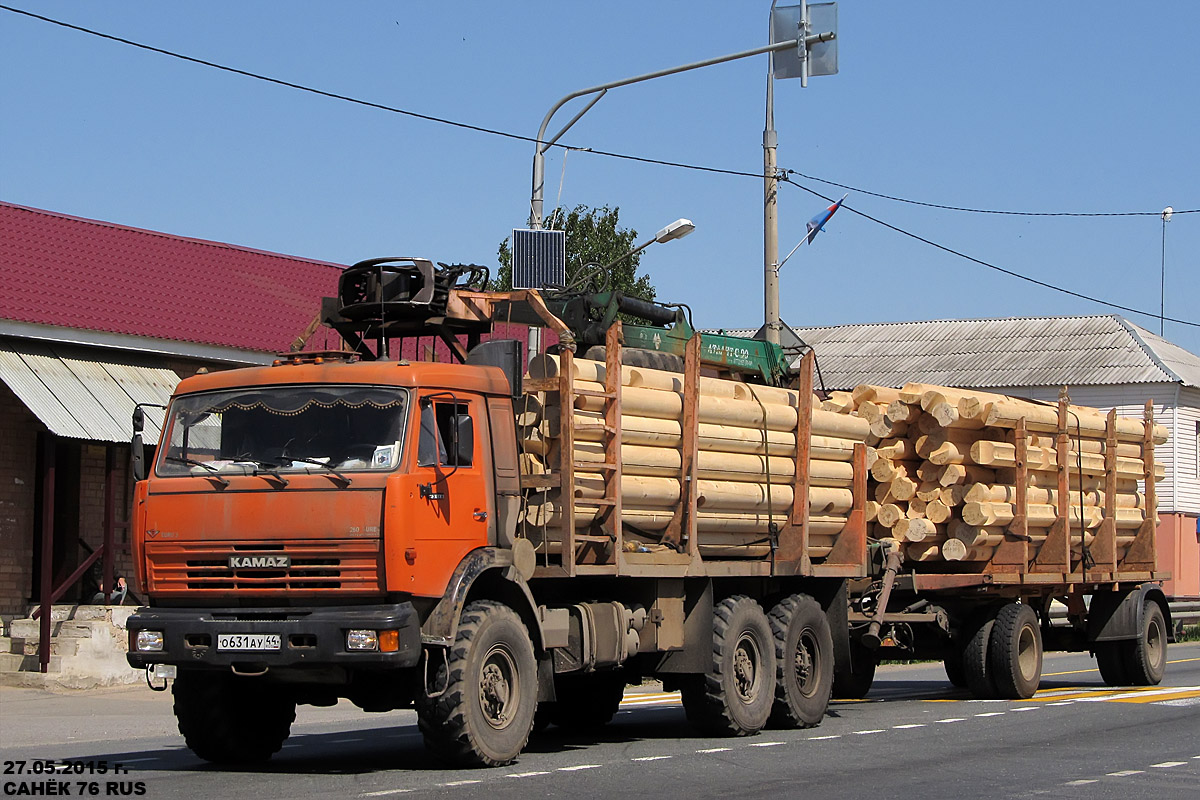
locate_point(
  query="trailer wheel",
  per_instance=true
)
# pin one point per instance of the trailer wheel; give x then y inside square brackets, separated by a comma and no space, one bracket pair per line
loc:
[228,720]
[734,698]
[955,673]
[1111,660]
[976,668]
[485,716]
[1146,656]
[804,662]
[586,702]
[853,681]
[1015,652]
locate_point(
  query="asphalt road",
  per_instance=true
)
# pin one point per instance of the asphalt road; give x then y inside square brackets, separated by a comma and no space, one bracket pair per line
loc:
[914,736]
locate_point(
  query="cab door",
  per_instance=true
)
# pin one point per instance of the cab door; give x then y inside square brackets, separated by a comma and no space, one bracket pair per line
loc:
[441,508]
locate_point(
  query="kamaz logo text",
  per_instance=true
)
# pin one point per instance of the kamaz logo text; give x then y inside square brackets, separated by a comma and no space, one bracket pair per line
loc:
[259,562]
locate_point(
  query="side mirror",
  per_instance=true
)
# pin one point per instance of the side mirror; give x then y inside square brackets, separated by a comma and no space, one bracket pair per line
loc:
[137,451]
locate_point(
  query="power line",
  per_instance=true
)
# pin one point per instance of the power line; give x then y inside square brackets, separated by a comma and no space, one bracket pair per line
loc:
[985,210]
[787,179]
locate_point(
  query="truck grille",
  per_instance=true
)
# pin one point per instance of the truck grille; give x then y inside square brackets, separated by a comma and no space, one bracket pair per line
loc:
[351,566]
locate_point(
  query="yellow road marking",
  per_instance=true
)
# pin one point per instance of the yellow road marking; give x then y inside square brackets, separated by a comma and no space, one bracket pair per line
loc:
[1156,697]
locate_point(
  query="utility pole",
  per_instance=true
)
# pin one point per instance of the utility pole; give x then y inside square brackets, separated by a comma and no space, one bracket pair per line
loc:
[816,55]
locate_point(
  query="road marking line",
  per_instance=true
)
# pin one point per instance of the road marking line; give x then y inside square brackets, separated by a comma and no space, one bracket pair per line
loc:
[385,792]
[1084,782]
[1070,672]
[579,767]
[992,714]
[716,750]
[766,744]
[952,719]
[1025,708]
[820,738]
[458,783]
[651,699]
[864,733]
[651,758]
[526,774]
[1125,773]
[912,725]
[1147,695]
[1168,764]
[1062,703]
[1183,660]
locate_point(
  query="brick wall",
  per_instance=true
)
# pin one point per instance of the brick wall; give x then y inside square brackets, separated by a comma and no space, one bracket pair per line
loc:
[91,506]
[18,460]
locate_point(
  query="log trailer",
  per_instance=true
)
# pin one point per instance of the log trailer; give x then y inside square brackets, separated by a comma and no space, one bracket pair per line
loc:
[500,550]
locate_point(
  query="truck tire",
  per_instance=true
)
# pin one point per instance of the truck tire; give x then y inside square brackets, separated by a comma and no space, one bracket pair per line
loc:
[804,662]
[586,702]
[976,668]
[485,715]
[852,681]
[1146,656]
[230,720]
[734,698]
[955,673]
[1015,652]
[1111,661]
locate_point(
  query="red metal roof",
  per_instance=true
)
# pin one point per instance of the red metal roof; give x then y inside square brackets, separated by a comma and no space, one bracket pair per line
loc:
[81,273]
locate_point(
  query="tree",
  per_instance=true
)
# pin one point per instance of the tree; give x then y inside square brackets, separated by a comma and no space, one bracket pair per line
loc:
[593,238]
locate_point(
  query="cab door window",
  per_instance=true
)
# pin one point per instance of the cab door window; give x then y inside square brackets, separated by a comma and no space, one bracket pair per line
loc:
[447,436]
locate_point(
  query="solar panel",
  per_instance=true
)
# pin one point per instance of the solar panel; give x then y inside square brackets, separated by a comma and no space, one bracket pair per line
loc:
[539,258]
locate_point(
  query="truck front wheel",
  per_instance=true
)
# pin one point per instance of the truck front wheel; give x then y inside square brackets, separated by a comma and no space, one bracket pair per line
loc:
[230,720]
[1146,656]
[736,695]
[1015,652]
[485,715]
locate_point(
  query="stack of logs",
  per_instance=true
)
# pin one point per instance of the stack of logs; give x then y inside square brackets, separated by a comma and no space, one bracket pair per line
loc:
[745,469]
[944,479]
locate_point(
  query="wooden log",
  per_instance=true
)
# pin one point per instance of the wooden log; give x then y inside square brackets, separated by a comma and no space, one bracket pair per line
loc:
[666,462]
[902,488]
[1002,454]
[937,512]
[897,449]
[914,530]
[878,394]
[1088,421]
[900,411]
[889,514]
[983,514]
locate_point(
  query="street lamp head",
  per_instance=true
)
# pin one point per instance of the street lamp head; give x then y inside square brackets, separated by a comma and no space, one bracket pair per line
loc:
[676,230]
[1166,213]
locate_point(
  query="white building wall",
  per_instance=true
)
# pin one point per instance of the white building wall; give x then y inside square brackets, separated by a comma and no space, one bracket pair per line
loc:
[1176,408]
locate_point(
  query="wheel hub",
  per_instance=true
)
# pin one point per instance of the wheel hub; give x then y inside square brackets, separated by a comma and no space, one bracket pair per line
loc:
[745,669]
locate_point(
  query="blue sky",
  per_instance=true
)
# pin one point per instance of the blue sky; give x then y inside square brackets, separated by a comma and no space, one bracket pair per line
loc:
[1026,106]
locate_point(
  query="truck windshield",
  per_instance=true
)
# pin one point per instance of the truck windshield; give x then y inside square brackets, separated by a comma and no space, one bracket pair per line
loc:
[285,429]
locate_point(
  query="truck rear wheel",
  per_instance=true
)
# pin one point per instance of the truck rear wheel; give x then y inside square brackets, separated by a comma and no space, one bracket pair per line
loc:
[734,698]
[976,668]
[804,662]
[586,702]
[485,715]
[955,673]
[1146,656]
[230,720]
[1015,652]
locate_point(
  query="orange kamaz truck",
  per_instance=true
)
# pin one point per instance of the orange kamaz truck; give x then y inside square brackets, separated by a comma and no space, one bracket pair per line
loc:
[504,542]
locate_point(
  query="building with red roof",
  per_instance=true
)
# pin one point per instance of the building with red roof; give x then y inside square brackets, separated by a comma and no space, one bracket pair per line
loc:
[95,318]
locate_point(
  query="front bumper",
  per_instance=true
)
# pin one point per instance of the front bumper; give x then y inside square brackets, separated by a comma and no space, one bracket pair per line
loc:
[310,637]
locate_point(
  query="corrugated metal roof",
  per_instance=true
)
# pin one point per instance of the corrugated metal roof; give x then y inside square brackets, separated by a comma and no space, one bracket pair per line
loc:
[83,397]
[1030,351]
[98,276]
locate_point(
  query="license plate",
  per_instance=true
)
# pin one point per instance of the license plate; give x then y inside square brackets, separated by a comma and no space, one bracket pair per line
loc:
[248,641]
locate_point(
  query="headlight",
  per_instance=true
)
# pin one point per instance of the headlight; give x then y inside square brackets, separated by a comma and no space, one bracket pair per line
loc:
[362,640]
[149,641]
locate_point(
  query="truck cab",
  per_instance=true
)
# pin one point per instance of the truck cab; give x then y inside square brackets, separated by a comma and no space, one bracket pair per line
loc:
[311,514]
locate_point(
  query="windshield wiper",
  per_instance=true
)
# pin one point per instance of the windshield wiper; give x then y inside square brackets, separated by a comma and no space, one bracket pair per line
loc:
[345,481]
[193,462]
[267,467]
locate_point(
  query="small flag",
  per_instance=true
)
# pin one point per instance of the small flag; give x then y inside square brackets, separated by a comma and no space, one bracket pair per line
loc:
[817,223]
